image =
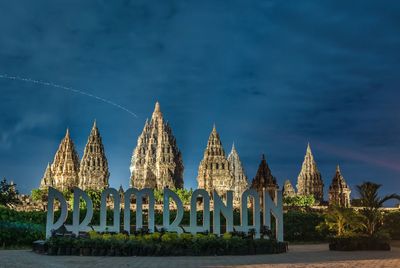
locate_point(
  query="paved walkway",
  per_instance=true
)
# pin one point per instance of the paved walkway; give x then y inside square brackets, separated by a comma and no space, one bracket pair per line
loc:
[298,256]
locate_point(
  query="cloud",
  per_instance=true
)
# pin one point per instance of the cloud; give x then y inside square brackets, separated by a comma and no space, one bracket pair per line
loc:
[29,122]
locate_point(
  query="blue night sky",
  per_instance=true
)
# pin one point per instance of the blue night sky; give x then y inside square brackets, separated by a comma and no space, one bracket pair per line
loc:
[272,75]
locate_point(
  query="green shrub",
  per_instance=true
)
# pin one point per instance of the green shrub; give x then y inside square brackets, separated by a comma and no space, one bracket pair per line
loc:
[391,224]
[17,234]
[170,244]
[360,242]
[302,226]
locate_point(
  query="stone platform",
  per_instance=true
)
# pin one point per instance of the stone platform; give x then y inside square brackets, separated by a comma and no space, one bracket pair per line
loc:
[298,256]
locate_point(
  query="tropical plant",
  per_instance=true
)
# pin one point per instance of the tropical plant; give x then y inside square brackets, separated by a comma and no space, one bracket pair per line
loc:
[299,201]
[8,193]
[371,203]
[342,220]
[39,194]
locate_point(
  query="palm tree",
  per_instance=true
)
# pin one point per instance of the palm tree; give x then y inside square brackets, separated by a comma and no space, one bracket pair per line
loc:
[371,202]
[342,220]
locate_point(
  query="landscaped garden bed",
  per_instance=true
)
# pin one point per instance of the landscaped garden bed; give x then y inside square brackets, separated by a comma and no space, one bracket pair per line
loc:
[359,243]
[161,244]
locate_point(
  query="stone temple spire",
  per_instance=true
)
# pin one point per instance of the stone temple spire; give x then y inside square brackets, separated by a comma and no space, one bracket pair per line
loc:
[93,173]
[156,161]
[339,191]
[65,166]
[214,170]
[264,179]
[236,168]
[309,181]
[288,189]
[47,179]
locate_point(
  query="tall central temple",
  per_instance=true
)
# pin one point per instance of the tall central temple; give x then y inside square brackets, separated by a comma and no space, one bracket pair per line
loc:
[156,161]
[309,181]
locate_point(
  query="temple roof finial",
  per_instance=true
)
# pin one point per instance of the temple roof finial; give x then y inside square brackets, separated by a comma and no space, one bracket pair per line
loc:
[338,168]
[157,107]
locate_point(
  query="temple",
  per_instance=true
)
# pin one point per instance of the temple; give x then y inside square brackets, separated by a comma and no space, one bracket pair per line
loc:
[288,189]
[93,172]
[240,183]
[264,180]
[156,161]
[309,181]
[63,172]
[213,172]
[339,191]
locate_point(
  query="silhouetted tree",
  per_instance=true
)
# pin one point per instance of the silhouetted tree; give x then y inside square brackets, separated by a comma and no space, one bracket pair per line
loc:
[371,203]
[8,193]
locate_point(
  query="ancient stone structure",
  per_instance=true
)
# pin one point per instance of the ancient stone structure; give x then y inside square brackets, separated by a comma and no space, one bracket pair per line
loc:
[240,179]
[264,180]
[93,172]
[309,181]
[213,172]
[47,179]
[288,189]
[63,172]
[339,191]
[156,161]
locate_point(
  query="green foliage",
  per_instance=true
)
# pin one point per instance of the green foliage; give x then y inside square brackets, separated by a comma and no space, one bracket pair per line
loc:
[166,244]
[8,193]
[341,221]
[371,202]
[360,242]
[14,234]
[39,194]
[299,201]
[184,194]
[391,224]
[302,226]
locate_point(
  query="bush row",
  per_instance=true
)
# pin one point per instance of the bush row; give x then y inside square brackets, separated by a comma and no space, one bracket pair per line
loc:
[157,244]
[359,243]
[17,234]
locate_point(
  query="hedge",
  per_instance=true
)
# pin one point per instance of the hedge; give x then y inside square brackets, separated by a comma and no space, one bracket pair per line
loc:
[302,226]
[17,234]
[359,243]
[158,244]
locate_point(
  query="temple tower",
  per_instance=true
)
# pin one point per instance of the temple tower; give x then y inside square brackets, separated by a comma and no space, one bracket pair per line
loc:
[93,173]
[240,179]
[309,181]
[339,191]
[156,161]
[264,180]
[213,172]
[288,189]
[65,166]
[47,180]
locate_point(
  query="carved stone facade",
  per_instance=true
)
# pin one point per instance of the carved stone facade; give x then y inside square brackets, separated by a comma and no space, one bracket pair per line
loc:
[213,172]
[240,183]
[309,181]
[156,161]
[93,173]
[63,173]
[47,179]
[288,189]
[339,191]
[264,180]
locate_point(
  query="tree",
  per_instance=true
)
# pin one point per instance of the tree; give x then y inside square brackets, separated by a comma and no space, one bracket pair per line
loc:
[39,195]
[341,220]
[299,201]
[8,193]
[371,203]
